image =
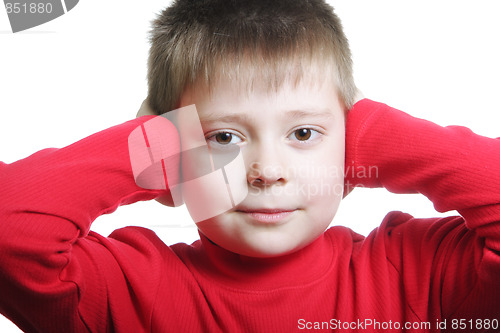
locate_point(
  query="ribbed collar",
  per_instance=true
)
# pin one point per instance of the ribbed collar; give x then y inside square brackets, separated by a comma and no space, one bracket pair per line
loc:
[236,271]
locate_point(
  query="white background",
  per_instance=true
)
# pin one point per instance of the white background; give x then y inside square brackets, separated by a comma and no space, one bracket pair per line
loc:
[86,71]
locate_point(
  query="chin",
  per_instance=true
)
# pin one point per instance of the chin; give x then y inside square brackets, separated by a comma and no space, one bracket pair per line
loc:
[261,241]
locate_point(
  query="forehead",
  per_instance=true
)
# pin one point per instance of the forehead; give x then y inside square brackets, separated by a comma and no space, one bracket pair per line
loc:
[251,74]
[313,96]
[253,77]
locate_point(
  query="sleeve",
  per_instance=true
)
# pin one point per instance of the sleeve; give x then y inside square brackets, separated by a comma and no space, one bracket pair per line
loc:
[47,204]
[450,266]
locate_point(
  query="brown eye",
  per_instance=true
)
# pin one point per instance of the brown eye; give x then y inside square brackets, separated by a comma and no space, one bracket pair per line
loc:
[303,134]
[224,138]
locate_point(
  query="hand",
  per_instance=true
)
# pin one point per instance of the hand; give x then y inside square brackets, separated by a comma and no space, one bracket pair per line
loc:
[348,187]
[145,110]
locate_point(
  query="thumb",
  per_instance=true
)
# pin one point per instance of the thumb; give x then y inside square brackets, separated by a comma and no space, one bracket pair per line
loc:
[145,110]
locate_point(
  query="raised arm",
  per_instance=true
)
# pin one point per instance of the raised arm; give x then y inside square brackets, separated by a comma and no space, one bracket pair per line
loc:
[451,262]
[49,280]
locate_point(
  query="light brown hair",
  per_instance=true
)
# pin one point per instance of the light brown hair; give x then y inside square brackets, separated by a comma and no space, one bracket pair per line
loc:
[269,41]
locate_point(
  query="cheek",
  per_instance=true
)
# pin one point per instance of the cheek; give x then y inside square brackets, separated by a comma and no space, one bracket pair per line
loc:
[326,185]
[212,184]
[323,200]
[206,197]
[323,183]
[323,173]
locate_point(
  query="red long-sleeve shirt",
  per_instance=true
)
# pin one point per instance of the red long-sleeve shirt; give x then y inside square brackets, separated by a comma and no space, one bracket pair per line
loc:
[57,276]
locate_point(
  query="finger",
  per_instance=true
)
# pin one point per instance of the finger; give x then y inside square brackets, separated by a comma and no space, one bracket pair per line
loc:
[145,110]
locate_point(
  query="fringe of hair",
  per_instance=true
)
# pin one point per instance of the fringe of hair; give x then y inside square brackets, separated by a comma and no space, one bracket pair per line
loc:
[260,41]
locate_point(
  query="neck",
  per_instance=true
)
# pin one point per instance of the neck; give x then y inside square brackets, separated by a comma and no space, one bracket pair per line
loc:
[242,272]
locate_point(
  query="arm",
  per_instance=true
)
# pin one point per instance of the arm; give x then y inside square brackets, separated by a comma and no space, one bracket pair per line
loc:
[47,204]
[456,260]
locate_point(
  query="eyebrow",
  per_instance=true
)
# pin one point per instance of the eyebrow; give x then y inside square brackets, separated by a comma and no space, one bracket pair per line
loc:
[291,115]
[312,113]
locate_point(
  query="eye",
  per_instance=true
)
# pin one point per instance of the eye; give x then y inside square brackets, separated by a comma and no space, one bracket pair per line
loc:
[224,138]
[304,134]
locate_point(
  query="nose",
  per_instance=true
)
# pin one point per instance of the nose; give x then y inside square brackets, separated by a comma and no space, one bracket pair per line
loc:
[267,167]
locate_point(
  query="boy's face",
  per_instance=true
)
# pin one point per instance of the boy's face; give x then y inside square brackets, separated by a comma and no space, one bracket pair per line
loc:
[292,142]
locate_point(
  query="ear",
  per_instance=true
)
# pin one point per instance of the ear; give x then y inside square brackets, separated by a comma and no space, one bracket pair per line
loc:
[145,110]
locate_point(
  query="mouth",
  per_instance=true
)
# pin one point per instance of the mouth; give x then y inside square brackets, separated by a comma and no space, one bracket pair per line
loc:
[268,216]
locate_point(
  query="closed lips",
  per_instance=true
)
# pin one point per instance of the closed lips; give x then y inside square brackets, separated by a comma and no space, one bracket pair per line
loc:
[268,215]
[266,210]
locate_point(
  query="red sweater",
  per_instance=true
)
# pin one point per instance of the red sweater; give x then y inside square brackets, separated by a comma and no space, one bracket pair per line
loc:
[57,276]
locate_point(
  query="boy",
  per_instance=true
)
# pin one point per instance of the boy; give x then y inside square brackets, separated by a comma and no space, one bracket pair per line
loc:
[267,264]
